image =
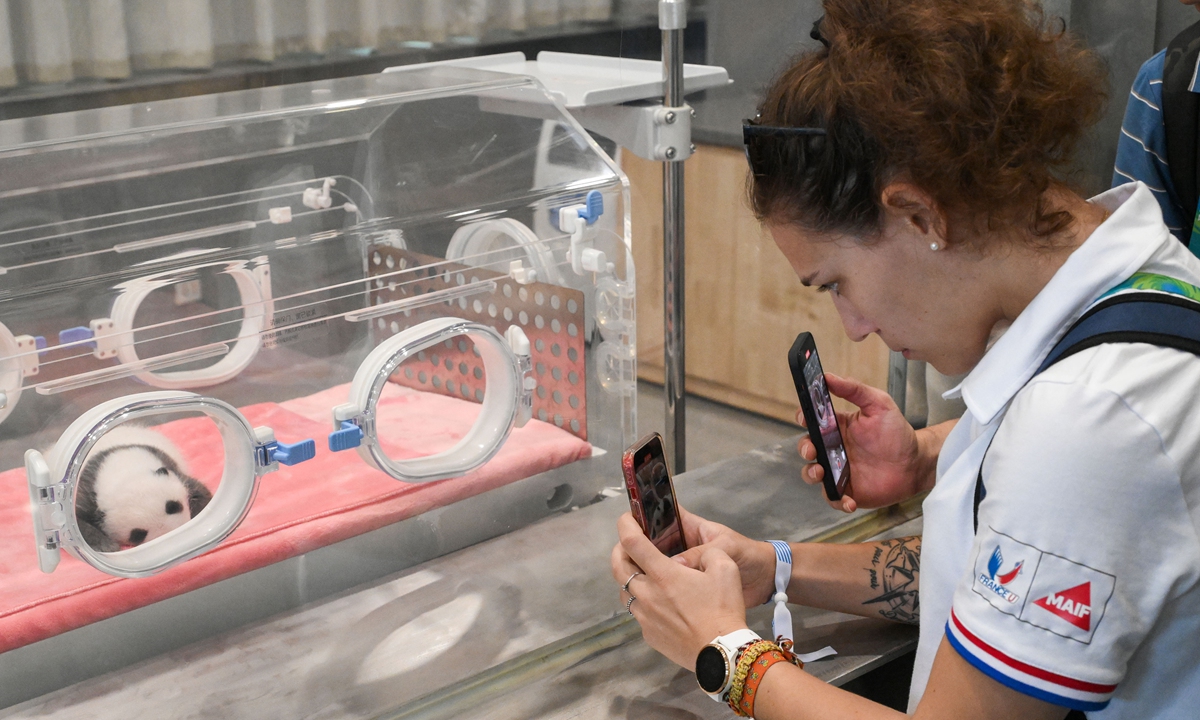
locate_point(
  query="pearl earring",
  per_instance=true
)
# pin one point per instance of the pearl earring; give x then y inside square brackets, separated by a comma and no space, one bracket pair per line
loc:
[934,247]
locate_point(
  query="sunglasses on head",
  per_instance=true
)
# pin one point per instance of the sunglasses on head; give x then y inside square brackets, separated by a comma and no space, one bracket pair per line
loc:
[770,148]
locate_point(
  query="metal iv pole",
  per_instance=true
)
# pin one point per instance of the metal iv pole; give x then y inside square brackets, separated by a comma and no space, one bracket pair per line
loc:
[672,19]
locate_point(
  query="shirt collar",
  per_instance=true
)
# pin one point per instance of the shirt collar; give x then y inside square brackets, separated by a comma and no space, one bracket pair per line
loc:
[1117,249]
[1195,84]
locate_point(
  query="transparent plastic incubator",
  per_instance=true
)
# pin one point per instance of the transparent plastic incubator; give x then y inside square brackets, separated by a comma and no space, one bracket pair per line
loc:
[305,298]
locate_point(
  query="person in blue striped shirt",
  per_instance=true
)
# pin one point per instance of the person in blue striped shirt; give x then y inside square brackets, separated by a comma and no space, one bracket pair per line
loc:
[1142,148]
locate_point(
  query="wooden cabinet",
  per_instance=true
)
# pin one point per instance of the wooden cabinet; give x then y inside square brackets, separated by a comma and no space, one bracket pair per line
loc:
[744,304]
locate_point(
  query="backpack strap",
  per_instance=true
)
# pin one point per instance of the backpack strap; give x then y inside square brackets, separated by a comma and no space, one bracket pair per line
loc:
[1153,318]
[1161,317]
[1181,118]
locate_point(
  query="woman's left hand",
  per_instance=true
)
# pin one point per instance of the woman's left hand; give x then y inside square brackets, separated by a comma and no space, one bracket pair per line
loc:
[679,608]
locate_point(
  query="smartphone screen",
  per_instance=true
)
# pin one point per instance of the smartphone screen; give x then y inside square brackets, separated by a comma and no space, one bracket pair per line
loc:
[652,495]
[818,392]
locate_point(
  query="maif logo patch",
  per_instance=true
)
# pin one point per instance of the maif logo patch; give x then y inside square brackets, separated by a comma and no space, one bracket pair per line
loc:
[1073,605]
[1069,598]
[1040,587]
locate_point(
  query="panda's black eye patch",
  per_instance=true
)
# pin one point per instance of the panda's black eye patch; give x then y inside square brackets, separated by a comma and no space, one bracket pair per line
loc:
[174,507]
[162,471]
[137,536]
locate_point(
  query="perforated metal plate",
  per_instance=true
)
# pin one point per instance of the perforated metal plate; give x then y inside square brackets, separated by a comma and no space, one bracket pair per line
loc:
[550,315]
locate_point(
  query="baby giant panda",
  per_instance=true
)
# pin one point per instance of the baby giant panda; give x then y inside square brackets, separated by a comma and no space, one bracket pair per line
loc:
[134,487]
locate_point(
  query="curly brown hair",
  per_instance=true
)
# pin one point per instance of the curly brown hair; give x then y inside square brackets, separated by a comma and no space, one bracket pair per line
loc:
[980,103]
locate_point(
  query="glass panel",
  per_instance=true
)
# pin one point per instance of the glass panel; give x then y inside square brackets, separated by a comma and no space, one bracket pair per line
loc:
[255,248]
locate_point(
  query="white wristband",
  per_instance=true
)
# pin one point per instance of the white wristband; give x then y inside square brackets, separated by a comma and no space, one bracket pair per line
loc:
[781,625]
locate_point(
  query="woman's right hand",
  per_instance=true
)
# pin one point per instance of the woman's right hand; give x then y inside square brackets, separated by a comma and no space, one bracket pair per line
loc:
[886,459]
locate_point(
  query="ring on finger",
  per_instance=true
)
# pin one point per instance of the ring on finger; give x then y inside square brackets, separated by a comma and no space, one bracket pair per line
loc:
[625,587]
[629,605]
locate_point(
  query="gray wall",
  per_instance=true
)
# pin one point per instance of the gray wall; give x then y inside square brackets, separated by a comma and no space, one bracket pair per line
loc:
[754,38]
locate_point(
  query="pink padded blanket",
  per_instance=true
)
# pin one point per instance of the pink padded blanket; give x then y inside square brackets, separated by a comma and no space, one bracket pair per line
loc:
[297,509]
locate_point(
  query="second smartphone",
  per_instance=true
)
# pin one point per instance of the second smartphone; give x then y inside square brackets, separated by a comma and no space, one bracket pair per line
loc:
[819,415]
[652,494]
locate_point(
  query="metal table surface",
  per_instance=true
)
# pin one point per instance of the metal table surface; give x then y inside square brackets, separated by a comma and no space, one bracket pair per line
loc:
[526,625]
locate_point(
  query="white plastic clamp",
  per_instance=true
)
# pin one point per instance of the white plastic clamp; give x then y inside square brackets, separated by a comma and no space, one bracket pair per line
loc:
[518,341]
[484,244]
[319,198]
[574,220]
[18,360]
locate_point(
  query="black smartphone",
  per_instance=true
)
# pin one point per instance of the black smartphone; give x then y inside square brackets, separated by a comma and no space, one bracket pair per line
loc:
[652,494]
[819,415]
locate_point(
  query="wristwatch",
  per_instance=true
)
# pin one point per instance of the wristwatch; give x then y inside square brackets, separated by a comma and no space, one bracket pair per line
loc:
[717,661]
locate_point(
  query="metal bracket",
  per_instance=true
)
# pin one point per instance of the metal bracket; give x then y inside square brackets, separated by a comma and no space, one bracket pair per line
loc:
[648,130]
[672,14]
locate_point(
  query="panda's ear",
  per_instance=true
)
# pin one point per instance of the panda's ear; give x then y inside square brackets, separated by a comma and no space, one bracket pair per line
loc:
[96,538]
[198,495]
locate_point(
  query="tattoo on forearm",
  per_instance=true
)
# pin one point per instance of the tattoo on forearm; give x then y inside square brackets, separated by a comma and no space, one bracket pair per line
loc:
[899,575]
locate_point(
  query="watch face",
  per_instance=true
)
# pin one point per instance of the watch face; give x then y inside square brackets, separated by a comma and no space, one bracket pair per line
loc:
[712,669]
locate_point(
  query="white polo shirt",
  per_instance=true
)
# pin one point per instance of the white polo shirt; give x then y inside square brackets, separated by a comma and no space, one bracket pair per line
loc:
[1081,586]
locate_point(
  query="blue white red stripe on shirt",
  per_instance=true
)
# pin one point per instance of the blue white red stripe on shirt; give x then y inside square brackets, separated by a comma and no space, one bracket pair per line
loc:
[1025,678]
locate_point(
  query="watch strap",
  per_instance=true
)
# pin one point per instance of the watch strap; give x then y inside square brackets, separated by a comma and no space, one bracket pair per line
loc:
[736,639]
[730,646]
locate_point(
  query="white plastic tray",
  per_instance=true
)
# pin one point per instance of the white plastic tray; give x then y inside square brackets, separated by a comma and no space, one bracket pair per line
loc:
[590,80]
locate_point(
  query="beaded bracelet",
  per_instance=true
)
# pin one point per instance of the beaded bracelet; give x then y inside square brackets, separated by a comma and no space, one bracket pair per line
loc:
[752,668]
[745,659]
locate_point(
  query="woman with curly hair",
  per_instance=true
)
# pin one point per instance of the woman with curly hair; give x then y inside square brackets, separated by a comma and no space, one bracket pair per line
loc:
[911,169]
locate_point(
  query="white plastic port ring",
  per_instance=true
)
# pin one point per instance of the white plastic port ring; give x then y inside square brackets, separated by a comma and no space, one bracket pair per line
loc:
[508,401]
[115,335]
[19,359]
[54,481]
[496,243]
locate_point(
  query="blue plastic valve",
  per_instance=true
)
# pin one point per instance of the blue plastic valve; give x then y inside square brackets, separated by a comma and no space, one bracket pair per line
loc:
[75,334]
[595,207]
[350,436]
[292,453]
